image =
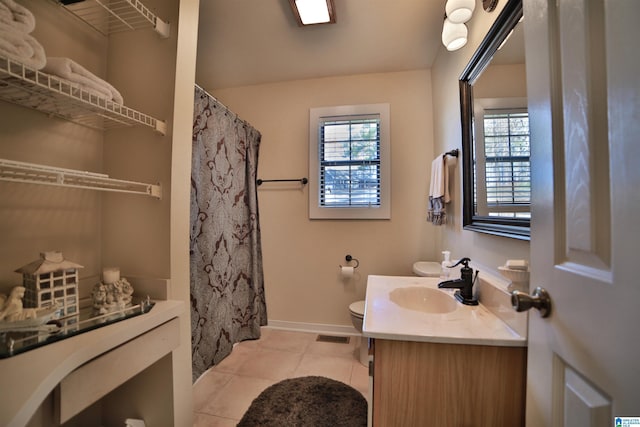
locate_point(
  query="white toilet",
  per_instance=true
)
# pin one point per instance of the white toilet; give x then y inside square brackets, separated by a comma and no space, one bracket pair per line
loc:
[357,316]
[427,269]
[420,268]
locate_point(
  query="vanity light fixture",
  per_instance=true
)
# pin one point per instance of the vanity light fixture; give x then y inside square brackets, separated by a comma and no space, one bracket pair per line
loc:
[454,36]
[311,12]
[460,11]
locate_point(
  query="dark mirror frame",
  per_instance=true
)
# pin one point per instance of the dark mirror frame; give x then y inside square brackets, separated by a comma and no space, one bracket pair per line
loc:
[514,228]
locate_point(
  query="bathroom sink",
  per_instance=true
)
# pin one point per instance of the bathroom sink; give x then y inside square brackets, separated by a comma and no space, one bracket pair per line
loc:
[410,308]
[426,300]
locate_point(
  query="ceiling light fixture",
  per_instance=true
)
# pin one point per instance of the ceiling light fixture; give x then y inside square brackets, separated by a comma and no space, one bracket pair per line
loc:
[311,12]
[454,36]
[460,11]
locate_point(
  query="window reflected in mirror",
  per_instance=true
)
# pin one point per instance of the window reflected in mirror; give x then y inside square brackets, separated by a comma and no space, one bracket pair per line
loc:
[502,172]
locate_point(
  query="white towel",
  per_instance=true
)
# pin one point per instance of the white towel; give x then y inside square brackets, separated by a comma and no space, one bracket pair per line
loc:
[21,47]
[438,191]
[70,70]
[439,178]
[16,16]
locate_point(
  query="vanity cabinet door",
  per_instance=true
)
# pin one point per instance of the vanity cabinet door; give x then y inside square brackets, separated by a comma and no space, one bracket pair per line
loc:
[430,384]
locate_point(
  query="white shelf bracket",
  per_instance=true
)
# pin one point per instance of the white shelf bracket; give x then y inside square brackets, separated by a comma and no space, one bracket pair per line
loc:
[162,28]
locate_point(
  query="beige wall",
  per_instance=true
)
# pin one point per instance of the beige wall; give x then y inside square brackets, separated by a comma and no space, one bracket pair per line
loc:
[489,250]
[502,81]
[301,256]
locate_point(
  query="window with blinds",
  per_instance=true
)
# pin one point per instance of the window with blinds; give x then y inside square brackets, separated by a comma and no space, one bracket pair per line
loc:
[507,163]
[349,162]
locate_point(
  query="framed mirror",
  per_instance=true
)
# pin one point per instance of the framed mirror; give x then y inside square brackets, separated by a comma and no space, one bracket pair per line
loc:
[495,132]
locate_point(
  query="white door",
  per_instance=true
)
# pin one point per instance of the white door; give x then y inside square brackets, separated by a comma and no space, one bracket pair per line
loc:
[583,74]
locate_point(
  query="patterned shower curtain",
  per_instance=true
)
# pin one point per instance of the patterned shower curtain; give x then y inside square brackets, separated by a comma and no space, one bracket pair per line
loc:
[227,287]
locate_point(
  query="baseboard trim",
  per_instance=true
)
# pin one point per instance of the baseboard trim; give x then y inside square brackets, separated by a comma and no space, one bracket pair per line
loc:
[319,328]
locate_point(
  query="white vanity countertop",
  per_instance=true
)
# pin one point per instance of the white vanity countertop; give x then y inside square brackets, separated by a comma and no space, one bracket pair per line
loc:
[465,325]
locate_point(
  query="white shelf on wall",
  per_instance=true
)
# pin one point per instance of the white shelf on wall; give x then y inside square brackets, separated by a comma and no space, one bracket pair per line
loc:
[113,16]
[61,98]
[32,173]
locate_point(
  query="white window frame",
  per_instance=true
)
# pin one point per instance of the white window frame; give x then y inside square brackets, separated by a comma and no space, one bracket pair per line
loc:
[316,211]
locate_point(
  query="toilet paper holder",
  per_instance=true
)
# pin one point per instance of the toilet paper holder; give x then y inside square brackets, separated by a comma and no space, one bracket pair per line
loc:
[349,258]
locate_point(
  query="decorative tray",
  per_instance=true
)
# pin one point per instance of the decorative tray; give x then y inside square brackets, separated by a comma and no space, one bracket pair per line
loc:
[16,342]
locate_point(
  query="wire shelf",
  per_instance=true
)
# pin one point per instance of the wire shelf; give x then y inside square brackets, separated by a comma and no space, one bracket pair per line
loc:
[61,98]
[32,173]
[113,16]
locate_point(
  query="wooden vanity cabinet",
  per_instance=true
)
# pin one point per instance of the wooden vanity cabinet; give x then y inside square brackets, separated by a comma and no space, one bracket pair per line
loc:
[426,384]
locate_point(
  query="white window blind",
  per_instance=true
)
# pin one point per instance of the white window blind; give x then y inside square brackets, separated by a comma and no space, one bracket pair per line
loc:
[349,162]
[507,162]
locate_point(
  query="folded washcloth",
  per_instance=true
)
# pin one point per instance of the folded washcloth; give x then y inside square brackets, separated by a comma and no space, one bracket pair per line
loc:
[21,47]
[438,191]
[85,79]
[16,16]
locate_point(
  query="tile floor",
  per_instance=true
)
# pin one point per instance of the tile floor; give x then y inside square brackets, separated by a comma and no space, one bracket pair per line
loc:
[223,393]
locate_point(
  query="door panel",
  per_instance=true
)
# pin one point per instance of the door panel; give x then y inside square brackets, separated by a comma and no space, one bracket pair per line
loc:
[584,96]
[584,405]
[580,40]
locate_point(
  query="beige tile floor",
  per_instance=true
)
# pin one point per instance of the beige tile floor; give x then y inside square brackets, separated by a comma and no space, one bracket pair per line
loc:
[223,393]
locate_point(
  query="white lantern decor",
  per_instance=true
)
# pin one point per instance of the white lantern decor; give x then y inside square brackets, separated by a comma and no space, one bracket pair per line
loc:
[50,281]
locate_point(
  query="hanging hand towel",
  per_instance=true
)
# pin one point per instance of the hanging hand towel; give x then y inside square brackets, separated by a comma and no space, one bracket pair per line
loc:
[76,73]
[21,47]
[438,191]
[17,17]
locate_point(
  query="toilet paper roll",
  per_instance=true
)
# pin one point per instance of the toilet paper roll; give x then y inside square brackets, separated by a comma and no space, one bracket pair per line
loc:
[346,272]
[110,274]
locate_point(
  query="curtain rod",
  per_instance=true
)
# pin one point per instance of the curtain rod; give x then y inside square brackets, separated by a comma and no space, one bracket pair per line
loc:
[224,107]
[303,181]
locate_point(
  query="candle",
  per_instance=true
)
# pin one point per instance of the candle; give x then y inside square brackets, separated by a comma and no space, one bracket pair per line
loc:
[110,274]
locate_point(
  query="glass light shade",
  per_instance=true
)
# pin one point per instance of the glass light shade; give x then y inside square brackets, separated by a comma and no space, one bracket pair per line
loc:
[454,36]
[459,11]
[313,11]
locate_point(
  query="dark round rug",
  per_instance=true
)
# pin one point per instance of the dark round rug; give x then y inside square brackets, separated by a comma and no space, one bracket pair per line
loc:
[307,402]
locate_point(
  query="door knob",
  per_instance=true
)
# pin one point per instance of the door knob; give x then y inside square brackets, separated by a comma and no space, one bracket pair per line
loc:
[521,301]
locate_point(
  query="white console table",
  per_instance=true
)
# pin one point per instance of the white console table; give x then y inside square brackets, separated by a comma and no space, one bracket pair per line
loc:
[81,370]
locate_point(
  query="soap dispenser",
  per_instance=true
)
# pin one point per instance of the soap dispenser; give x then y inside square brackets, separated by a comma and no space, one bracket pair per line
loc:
[445,270]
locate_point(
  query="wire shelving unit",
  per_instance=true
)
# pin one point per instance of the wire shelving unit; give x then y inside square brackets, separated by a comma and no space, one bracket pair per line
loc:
[32,173]
[61,98]
[113,16]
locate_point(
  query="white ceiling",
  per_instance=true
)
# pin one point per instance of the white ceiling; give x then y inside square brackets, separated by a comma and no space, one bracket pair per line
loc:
[244,42]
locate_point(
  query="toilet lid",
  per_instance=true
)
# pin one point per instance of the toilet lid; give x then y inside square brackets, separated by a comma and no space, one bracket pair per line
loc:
[427,269]
[357,308]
